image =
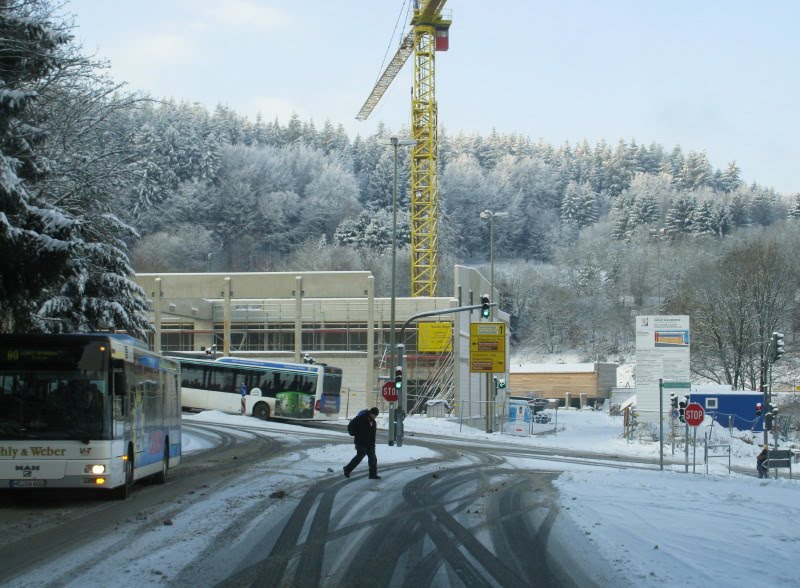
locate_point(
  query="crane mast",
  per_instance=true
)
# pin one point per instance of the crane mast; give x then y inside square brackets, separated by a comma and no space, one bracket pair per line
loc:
[428,34]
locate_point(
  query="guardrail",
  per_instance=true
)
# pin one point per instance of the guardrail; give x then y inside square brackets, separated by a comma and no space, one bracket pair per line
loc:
[707,455]
[779,458]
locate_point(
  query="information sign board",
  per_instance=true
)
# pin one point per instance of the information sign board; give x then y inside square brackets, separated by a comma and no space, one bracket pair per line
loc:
[487,348]
[435,337]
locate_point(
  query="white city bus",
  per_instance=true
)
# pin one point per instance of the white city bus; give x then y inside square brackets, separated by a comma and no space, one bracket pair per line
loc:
[86,411]
[284,390]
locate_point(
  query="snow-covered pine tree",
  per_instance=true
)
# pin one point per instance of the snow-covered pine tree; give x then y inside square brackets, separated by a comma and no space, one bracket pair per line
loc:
[720,220]
[673,165]
[794,211]
[702,221]
[618,170]
[765,207]
[739,208]
[209,163]
[681,215]
[645,208]
[590,206]
[580,205]
[570,204]
[731,180]
[100,293]
[36,240]
[696,171]
[620,217]
[86,138]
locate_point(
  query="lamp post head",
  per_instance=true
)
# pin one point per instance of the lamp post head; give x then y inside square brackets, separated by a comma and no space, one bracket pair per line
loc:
[489,214]
[396,142]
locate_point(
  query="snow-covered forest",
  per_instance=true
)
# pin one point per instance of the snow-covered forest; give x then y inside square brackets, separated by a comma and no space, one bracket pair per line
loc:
[96,183]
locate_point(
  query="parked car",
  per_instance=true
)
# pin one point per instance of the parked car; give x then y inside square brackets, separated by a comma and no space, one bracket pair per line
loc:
[542,418]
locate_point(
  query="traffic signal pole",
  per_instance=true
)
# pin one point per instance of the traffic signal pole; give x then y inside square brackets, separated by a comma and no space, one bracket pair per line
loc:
[660,424]
[396,423]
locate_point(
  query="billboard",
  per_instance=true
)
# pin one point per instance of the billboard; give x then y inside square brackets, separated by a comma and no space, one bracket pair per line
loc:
[662,352]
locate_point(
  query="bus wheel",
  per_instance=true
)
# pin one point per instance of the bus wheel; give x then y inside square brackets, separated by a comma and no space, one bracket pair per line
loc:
[161,477]
[261,411]
[122,492]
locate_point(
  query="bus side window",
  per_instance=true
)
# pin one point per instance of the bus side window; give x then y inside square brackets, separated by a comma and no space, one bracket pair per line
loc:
[119,393]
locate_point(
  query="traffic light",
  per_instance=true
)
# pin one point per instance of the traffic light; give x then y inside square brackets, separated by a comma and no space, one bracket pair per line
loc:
[398,378]
[485,310]
[768,421]
[776,346]
[501,383]
[682,409]
[758,409]
[673,401]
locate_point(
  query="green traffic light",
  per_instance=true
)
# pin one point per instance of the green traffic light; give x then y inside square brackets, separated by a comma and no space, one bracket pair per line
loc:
[485,308]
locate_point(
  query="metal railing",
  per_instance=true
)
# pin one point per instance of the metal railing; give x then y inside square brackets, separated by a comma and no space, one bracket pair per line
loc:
[473,413]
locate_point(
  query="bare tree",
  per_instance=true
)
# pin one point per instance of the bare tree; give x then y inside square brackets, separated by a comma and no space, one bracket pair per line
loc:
[736,302]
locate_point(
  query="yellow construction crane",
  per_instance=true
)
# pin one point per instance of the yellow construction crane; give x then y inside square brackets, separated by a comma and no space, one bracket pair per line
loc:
[428,34]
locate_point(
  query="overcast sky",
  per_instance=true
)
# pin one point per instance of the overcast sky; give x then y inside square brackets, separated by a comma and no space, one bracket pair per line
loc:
[717,75]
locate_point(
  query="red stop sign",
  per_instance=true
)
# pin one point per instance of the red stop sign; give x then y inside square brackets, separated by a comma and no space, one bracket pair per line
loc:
[388,392]
[694,414]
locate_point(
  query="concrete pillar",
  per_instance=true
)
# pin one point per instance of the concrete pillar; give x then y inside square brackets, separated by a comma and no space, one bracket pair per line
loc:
[157,316]
[372,384]
[584,397]
[567,399]
[298,317]
[226,317]
[458,317]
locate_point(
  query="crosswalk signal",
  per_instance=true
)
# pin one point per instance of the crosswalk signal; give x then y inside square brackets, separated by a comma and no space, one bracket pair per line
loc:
[682,409]
[398,378]
[485,309]
[758,409]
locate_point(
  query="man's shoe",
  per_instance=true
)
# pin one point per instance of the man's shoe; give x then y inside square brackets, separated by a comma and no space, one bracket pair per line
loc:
[346,473]
[376,477]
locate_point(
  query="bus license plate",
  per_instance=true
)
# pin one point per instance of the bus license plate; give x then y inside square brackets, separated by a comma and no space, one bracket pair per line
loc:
[28,483]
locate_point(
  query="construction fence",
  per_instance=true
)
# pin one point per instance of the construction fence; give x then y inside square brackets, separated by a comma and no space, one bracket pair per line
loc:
[506,417]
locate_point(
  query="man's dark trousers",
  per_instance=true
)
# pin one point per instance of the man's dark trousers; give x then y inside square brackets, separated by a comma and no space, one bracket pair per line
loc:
[372,459]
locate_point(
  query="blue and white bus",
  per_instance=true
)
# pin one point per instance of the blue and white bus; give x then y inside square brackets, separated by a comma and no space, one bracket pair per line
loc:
[297,391]
[86,411]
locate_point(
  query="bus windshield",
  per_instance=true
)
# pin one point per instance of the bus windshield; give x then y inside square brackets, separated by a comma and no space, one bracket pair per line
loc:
[55,393]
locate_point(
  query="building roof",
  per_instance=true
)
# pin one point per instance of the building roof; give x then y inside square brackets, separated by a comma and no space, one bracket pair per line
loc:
[555,368]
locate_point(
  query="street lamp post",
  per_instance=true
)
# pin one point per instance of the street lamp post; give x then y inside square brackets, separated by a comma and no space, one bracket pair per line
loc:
[395,143]
[488,214]
[658,235]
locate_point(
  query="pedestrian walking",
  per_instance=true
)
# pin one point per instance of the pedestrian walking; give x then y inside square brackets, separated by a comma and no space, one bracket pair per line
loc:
[362,427]
[761,462]
[243,392]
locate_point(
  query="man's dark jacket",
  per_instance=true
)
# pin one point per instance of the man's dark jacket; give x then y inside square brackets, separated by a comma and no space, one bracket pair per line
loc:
[364,429]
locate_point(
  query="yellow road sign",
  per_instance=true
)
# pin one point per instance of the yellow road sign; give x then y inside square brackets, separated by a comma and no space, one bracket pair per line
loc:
[487,347]
[435,337]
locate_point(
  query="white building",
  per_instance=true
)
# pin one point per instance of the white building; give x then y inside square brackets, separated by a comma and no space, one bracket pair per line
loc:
[332,316]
